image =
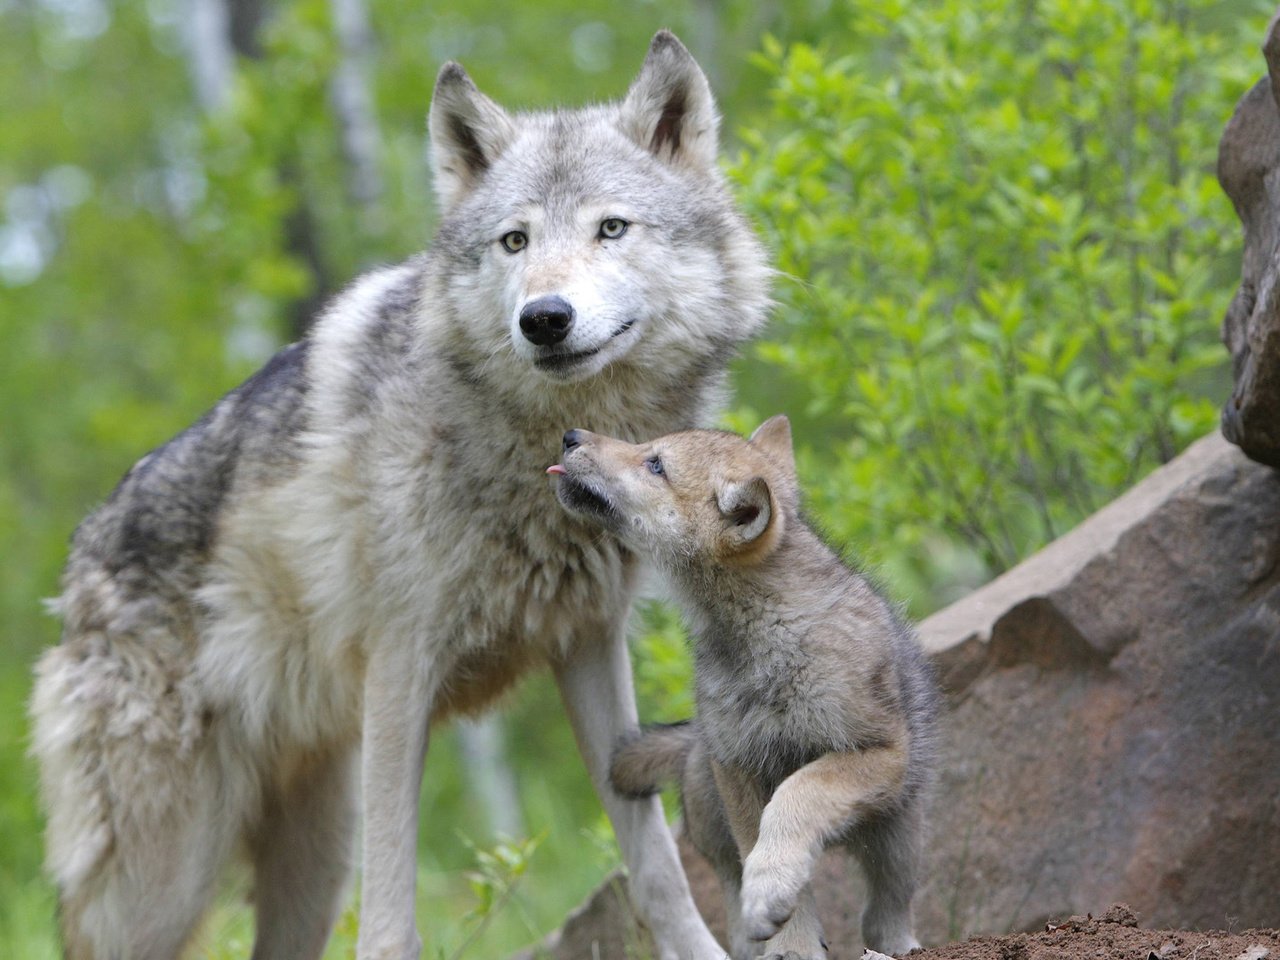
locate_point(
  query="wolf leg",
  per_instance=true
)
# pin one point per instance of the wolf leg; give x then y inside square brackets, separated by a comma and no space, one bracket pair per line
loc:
[707,826]
[301,859]
[810,809]
[889,850]
[801,936]
[740,948]
[399,688]
[595,684]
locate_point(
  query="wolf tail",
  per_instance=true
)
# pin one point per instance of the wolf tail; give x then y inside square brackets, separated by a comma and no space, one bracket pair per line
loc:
[652,758]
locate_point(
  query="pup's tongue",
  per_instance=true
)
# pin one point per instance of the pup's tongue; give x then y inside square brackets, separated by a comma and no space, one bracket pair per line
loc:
[555,469]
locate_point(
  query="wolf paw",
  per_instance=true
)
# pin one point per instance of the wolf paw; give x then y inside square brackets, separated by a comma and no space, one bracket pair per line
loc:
[768,900]
[790,955]
[765,911]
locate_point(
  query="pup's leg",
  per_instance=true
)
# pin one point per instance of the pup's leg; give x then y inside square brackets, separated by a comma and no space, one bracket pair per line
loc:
[889,850]
[741,800]
[399,686]
[801,937]
[595,684]
[301,859]
[811,808]
[707,826]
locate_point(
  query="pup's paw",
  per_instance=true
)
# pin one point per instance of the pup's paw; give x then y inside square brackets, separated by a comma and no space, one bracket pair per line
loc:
[791,955]
[765,908]
[770,891]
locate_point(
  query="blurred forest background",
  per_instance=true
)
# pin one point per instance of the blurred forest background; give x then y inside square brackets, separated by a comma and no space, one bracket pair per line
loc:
[1004,258]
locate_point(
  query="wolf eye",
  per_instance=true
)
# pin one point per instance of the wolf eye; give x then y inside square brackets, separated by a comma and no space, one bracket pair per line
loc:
[514,242]
[611,228]
[655,466]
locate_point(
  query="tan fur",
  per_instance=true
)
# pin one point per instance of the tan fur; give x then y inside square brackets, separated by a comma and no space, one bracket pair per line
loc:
[815,705]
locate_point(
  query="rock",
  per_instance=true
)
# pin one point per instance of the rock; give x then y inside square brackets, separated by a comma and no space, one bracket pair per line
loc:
[1112,732]
[1248,160]
[1114,707]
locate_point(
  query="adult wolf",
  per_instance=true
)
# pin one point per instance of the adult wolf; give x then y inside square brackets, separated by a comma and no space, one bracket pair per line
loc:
[359,541]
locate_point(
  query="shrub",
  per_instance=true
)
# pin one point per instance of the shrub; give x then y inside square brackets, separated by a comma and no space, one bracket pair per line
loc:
[1005,256]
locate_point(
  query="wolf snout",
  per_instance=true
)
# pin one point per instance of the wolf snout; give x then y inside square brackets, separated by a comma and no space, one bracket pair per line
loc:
[546,320]
[572,438]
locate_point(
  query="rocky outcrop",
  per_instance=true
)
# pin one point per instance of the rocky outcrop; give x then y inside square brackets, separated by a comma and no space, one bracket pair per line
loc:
[1248,164]
[1112,732]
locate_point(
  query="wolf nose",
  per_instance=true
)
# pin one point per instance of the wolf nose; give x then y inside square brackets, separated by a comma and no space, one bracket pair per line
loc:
[572,438]
[546,320]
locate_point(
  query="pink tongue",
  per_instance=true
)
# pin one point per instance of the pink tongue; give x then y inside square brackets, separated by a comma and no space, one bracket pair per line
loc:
[555,469]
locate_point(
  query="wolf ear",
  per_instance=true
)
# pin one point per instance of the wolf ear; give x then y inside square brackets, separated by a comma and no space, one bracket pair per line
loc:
[773,437]
[747,510]
[669,109]
[468,131]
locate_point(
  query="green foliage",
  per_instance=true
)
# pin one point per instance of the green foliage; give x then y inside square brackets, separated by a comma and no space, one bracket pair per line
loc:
[1005,255]
[497,872]
[1006,258]
[494,882]
[660,657]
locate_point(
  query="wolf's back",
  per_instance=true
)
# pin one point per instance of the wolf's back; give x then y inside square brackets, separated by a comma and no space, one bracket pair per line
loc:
[161,520]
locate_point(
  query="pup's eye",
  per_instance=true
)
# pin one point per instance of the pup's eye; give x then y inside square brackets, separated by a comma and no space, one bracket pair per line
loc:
[515,241]
[655,466]
[611,228]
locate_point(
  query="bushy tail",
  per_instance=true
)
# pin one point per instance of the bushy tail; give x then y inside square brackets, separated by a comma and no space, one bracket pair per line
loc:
[652,758]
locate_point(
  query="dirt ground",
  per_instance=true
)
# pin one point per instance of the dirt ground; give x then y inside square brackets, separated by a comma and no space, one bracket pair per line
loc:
[1116,935]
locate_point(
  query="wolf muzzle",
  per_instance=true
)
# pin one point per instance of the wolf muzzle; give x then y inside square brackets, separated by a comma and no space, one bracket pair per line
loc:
[546,320]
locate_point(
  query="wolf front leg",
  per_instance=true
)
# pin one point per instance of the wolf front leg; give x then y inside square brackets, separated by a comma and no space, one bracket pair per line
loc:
[595,684]
[398,694]
[811,808]
[800,938]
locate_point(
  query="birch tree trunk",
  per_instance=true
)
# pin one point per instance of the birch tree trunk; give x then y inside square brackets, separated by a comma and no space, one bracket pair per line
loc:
[489,775]
[210,57]
[351,93]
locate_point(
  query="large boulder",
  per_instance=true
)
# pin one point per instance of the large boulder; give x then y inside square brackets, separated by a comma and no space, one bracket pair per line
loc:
[1112,731]
[1114,723]
[1249,171]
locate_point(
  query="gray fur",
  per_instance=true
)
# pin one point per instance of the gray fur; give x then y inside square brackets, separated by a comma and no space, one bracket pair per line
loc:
[359,540]
[651,759]
[816,705]
[790,661]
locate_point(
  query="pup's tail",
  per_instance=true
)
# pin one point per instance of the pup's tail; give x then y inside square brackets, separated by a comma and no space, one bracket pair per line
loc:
[652,758]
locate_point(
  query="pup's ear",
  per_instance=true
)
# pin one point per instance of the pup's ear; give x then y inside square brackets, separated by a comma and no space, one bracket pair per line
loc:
[669,109]
[468,131]
[773,437]
[747,510]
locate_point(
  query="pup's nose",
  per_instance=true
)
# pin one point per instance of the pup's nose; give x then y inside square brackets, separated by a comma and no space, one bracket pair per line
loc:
[572,438]
[546,320]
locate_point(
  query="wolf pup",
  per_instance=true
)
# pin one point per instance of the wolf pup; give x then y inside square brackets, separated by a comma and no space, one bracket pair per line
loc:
[357,542]
[815,703]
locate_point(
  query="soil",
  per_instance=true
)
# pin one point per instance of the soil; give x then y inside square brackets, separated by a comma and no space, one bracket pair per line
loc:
[1115,935]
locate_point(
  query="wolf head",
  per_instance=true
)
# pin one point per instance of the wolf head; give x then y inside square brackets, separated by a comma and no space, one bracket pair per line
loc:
[599,238]
[697,496]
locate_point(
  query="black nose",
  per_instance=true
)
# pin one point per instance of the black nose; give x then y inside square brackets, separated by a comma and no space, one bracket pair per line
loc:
[546,320]
[572,438]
